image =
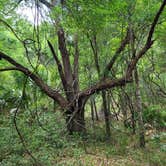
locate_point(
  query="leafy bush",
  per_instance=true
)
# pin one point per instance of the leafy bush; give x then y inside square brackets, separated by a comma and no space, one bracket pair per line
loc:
[155,115]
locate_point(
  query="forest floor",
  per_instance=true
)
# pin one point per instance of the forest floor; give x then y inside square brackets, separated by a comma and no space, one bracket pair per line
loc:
[132,158]
[51,147]
[122,150]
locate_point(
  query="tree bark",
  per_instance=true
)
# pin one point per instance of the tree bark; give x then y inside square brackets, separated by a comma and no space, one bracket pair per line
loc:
[106,115]
[139,111]
[75,119]
[95,109]
[123,108]
[92,110]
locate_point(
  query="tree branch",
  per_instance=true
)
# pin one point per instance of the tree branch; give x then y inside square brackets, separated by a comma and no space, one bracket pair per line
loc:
[93,43]
[103,85]
[44,87]
[148,44]
[11,29]
[107,83]
[60,69]
[8,69]
[65,57]
[76,65]
[123,44]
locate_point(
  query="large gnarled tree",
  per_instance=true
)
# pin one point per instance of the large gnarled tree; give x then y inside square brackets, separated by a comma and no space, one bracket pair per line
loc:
[74,99]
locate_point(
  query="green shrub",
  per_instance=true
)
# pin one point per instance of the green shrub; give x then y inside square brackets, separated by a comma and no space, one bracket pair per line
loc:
[155,115]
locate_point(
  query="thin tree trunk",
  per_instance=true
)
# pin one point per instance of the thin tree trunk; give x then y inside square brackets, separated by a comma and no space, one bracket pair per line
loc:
[108,102]
[92,110]
[132,53]
[139,111]
[106,115]
[131,107]
[123,108]
[132,111]
[95,109]
[133,120]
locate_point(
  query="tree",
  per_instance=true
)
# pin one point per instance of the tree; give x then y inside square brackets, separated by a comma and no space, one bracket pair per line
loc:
[73,99]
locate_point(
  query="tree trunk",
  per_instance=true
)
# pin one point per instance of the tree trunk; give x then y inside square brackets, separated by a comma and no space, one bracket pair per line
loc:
[95,109]
[75,119]
[133,120]
[106,115]
[139,111]
[132,111]
[108,102]
[92,110]
[123,108]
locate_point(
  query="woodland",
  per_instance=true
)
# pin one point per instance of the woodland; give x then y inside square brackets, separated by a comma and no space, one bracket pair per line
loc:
[82,82]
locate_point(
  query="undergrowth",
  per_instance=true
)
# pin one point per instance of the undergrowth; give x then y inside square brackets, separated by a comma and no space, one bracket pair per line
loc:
[46,140]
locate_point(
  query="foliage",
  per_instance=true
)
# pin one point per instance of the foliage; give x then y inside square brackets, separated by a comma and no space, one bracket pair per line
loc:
[52,147]
[155,116]
[40,120]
